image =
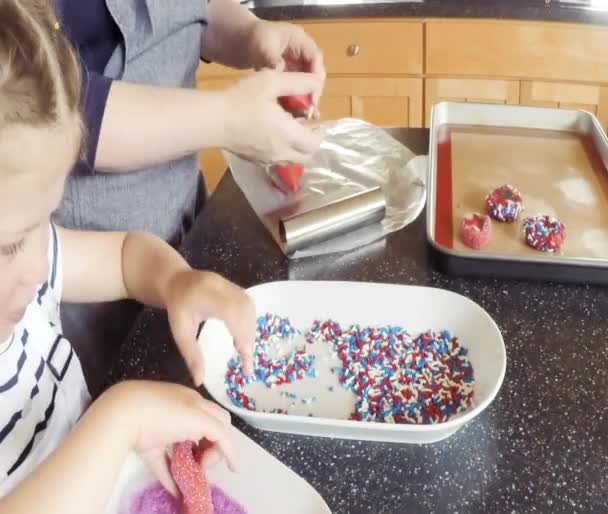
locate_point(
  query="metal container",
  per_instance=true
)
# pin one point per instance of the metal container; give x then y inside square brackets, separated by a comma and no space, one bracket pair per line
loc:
[556,158]
[306,229]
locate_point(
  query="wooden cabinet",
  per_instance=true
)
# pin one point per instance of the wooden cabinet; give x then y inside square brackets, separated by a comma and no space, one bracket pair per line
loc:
[374,69]
[469,90]
[588,97]
[390,102]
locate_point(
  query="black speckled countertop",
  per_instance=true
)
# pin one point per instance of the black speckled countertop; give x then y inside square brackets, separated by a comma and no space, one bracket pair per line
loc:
[539,10]
[541,446]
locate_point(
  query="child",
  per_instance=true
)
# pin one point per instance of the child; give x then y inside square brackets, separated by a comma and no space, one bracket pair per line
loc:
[50,460]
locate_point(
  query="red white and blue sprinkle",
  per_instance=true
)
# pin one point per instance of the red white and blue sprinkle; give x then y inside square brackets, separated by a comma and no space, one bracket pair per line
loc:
[504,204]
[398,378]
[273,372]
[395,377]
[544,233]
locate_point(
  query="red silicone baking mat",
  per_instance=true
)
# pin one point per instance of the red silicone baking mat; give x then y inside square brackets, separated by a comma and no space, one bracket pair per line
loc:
[558,173]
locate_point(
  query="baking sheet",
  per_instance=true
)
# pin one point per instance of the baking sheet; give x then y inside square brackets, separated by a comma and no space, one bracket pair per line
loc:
[556,158]
[557,173]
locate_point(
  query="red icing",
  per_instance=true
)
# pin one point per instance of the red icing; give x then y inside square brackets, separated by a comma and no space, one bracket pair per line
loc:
[476,231]
[191,480]
[298,105]
[289,174]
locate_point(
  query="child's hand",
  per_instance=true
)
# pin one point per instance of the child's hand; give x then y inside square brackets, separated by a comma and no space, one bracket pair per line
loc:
[196,296]
[159,414]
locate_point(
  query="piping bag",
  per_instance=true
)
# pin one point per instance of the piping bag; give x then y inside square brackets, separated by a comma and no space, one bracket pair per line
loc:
[361,185]
[286,175]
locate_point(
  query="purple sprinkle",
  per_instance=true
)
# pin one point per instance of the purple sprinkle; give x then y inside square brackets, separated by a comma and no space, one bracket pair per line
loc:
[223,504]
[155,499]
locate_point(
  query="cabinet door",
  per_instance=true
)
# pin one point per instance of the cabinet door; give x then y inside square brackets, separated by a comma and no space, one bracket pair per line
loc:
[469,90]
[588,97]
[386,102]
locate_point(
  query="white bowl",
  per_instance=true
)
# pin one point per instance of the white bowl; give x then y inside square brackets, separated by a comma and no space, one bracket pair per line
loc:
[415,308]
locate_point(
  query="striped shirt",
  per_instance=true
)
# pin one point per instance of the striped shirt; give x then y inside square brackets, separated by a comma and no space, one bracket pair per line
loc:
[42,388]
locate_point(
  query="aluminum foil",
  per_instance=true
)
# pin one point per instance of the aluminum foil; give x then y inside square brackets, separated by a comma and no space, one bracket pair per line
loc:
[361,185]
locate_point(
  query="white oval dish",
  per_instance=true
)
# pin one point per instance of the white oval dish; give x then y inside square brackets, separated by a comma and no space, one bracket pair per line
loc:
[415,308]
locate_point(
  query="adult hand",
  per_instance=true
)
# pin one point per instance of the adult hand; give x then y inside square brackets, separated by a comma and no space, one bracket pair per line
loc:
[286,47]
[258,128]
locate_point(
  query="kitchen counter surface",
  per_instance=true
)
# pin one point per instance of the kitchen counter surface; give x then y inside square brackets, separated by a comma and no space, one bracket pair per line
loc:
[541,446]
[575,11]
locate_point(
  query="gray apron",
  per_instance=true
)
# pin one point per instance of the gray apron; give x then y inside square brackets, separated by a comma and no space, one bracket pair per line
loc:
[161,46]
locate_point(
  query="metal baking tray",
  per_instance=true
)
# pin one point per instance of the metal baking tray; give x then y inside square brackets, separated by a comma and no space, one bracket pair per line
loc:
[558,159]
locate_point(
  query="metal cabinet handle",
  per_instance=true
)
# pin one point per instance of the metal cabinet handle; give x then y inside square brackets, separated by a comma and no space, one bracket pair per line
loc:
[353,50]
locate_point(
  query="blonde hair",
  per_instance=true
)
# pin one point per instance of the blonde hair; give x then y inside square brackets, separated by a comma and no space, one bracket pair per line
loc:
[39,73]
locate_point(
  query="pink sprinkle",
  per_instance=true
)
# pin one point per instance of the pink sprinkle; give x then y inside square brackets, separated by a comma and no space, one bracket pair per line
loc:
[156,500]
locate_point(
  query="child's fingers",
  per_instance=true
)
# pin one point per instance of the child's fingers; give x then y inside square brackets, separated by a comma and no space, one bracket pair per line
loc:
[210,457]
[158,462]
[240,321]
[206,454]
[212,296]
[218,434]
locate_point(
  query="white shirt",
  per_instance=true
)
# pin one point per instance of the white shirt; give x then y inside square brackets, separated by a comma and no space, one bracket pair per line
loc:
[42,388]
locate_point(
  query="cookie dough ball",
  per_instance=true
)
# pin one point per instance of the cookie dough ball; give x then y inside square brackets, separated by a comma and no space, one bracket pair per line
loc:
[504,204]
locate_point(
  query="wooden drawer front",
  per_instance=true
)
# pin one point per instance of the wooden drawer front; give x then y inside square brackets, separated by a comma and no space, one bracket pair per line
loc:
[517,49]
[470,90]
[369,47]
[382,101]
